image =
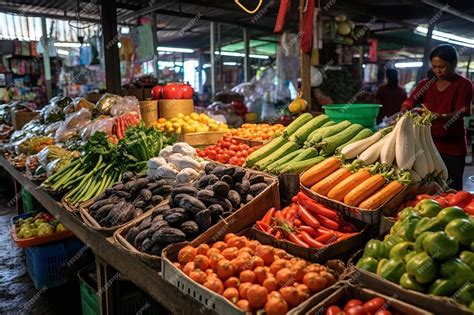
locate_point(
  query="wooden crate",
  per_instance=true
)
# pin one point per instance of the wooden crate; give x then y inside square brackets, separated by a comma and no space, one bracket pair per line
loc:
[20,119]
[170,108]
[149,112]
[201,138]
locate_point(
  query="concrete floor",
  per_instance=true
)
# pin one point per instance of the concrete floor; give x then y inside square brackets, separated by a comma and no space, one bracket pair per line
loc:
[17,292]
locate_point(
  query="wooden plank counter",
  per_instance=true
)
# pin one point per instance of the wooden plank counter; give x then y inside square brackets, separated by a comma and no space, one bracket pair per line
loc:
[142,275]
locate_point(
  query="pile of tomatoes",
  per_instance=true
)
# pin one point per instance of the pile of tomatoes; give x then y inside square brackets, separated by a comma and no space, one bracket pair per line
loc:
[253,276]
[227,150]
[258,131]
[172,90]
[376,306]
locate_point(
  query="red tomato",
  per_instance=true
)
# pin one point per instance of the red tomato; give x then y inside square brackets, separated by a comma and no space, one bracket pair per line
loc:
[156,92]
[234,147]
[212,154]
[353,302]
[245,153]
[240,161]
[383,312]
[355,310]
[187,91]
[233,141]
[333,310]
[373,305]
[226,144]
[233,160]
[423,196]
[231,152]
[201,154]
[172,91]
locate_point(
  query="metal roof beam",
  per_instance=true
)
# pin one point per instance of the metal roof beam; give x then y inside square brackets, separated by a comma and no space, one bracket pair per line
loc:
[449,9]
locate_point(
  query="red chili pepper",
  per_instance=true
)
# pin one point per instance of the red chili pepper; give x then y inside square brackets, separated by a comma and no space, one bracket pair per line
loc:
[460,199]
[291,213]
[307,218]
[295,239]
[347,227]
[309,230]
[330,224]
[327,238]
[470,208]
[449,196]
[305,237]
[346,236]
[262,226]
[268,216]
[315,207]
[284,211]
[297,222]
[442,201]
[271,230]
[294,199]
[278,235]
[423,196]
[278,215]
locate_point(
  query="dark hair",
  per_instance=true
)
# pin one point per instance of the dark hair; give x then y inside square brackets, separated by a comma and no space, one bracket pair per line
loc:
[445,52]
[392,77]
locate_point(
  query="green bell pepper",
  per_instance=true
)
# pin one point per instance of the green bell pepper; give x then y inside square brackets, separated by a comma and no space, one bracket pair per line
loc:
[449,214]
[408,212]
[407,228]
[471,306]
[454,269]
[462,230]
[376,249]
[419,241]
[392,269]
[390,241]
[428,208]
[442,287]
[408,256]
[395,227]
[422,267]
[467,257]
[428,225]
[440,246]
[368,263]
[410,283]
[401,249]
[465,294]
[381,264]
[472,246]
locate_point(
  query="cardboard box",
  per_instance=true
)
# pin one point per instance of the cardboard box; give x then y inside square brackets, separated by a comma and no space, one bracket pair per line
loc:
[20,119]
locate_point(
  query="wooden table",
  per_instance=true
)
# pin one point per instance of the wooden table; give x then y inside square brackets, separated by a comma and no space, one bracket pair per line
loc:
[109,255]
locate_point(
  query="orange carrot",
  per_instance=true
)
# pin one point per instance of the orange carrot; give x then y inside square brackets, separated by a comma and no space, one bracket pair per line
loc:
[382,196]
[339,191]
[325,185]
[319,171]
[365,189]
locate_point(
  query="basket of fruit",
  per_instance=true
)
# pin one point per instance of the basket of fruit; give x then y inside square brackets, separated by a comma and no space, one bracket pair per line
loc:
[31,229]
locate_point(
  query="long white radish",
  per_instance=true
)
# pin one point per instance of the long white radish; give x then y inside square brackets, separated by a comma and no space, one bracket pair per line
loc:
[372,154]
[420,165]
[428,156]
[415,177]
[350,151]
[439,165]
[387,154]
[405,149]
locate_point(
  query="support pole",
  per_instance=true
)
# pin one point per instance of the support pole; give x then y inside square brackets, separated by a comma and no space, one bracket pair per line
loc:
[46,60]
[201,63]
[426,53]
[213,59]
[155,44]
[246,56]
[305,62]
[111,54]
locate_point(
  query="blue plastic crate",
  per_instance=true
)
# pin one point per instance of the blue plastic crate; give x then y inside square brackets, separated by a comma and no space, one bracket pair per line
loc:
[44,262]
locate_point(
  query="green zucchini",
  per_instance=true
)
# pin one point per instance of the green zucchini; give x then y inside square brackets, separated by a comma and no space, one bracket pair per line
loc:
[336,129]
[302,133]
[283,160]
[285,149]
[264,151]
[297,124]
[330,144]
[364,133]
[304,155]
[301,166]
[313,134]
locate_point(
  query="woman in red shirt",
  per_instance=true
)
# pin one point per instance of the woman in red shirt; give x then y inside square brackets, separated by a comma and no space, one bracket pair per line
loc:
[449,96]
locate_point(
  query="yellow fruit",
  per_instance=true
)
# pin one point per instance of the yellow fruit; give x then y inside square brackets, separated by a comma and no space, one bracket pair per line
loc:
[180,115]
[213,127]
[188,129]
[162,120]
[174,119]
[178,130]
[194,115]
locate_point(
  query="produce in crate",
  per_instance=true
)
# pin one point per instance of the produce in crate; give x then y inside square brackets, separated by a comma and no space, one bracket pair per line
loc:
[257,131]
[306,223]
[128,199]
[429,249]
[376,306]
[462,199]
[189,123]
[256,278]
[103,163]
[123,122]
[227,150]
[357,186]
[39,225]
[194,208]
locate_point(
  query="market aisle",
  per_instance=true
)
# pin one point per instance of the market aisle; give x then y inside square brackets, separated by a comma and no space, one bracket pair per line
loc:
[17,293]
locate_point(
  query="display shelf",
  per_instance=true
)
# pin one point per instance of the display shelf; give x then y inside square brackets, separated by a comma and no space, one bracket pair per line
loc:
[145,277]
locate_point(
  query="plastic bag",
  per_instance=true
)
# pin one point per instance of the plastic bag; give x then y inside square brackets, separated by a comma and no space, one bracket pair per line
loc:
[51,152]
[51,113]
[103,125]
[80,103]
[106,102]
[126,105]
[50,130]
[72,125]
